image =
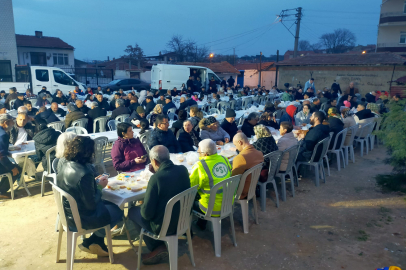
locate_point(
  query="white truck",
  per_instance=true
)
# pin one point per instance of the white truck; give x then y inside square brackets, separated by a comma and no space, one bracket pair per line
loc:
[35,77]
[166,77]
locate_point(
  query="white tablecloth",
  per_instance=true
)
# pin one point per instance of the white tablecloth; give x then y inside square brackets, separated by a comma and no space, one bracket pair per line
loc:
[26,150]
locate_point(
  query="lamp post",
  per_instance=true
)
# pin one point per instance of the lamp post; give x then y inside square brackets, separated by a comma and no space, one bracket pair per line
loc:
[211,56]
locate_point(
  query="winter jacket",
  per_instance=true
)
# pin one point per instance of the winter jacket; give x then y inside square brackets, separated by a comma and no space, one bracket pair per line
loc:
[44,140]
[313,136]
[195,121]
[165,138]
[18,103]
[230,128]
[185,140]
[60,100]
[190,102]
[60,111]
[119,111]
[104,105]
[149,107]
[93,114]
[133,106]
[206,133]
[8,99]
[168,106]
[162,102]
[269,124]
[349,121]
[336,126]
[301,118]
[266,145]
[72,116]
[48,116]
[13,133]
[124,152]
[248,129]
[33,112]
[84,109]
[5,164]
[286,141]
[177,125]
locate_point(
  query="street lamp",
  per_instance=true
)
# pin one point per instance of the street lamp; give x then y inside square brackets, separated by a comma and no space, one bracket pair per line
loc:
[211,56]
[364,52]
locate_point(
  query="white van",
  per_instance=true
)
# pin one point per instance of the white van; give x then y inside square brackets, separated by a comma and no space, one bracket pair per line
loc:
[166,77]
[35,77]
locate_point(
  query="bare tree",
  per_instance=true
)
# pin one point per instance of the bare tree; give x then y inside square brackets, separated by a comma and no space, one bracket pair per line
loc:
[305,45]
[186,50]
[135,54]
[339,41]
[177,45]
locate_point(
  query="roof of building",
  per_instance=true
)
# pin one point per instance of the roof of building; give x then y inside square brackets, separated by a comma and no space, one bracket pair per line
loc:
[250,66]
[221,67]
[385,58]
[288,54]
[121,63]
[42,42]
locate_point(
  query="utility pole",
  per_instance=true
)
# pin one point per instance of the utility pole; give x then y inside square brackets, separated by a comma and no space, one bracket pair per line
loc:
[260,69]
[284,14]
[234,56]
[276,73]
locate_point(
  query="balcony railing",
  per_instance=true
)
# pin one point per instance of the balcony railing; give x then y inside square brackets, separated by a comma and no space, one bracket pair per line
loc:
[392,14]
[391,44]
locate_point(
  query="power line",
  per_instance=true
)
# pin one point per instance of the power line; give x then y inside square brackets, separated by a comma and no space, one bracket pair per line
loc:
[338,11]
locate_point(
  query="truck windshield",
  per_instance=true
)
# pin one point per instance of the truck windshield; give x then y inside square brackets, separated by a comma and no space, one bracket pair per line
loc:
[114,82]
[62,78]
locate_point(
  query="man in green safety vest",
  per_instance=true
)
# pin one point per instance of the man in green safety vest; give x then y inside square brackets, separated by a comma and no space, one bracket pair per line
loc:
[210,170]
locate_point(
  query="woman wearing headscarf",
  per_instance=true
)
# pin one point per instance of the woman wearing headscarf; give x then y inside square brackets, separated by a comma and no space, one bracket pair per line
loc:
[158,109]
[289,116]
[210,129]
[374,107]
[143,95]
[42,100]
[303,117]
[336,125]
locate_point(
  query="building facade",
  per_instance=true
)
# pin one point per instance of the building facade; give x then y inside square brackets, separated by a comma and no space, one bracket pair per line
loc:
[250,74]
[8,48]
[392,27]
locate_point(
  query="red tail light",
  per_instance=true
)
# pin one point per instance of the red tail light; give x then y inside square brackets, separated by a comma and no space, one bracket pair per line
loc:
[160,84]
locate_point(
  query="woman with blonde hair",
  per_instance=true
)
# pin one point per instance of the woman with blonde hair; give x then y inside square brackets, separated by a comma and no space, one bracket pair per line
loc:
[63,140]
[158,109]
[266,144]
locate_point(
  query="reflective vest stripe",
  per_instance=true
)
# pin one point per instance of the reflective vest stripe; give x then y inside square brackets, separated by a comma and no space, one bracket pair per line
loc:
[211,180]
[226,163]
[205,210]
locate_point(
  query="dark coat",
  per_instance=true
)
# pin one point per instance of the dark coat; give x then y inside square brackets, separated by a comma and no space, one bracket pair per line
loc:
[314,135]
[60,111]
[44,140]
[48,116]
[231,82]
[247,129]
[18,103]
[149,107]
[135,116]
[29,128]
[84,109]
[5,164]
[177,125]
[269,124]
[168,106]
[162,102]
[183,106]
[8,99]
[72,116]
[60,100]
[119,111]
[190,84]
[364,114]
[33,112]
[133,106]
[336,126]
[230,128]
[186,141]
[370,98]
[93,114]
[266,145]
[104,104]
[160,191]
[190,102]
[165,138]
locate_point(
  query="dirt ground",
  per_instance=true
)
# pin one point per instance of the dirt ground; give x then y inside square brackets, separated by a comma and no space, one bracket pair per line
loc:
[346,223]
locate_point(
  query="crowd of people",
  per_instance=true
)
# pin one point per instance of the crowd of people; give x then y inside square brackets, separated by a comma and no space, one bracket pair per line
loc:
[326,111]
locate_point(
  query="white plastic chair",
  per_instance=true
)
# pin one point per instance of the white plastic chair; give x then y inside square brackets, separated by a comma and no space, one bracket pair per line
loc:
[214,111]
[365,130]
[338,148]
[77,130]
[72,236]
[100,144]
[292,152]
[102,121]
[350,146]
[82,122]
[255,173]
[317,164]
[10,180]
[11,104]
[373,136]
[185,199]
[59,125]
[228,187]
[172,110]
[122,117]
[325,157]
[48,172]
[274,163]
[112,125]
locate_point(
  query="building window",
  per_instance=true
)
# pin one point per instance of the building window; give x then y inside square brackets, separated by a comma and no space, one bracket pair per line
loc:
[61,59]
[402,38]
[5,71]
[38,59]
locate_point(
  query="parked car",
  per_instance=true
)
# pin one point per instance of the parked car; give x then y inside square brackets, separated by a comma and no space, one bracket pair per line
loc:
[127,84]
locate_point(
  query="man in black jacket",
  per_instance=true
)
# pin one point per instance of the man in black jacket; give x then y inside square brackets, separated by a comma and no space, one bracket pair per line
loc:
[169,105]
[224,83]
[44,140]
[94,113]
[161,135]
[189,101]
[60,98]
[249,124]
[120,109]
[150,105]
[47,115]
[103,104]
[162,187]
[113,102]
[231,81]
[370,97]
[183,104]
[138,114]
[31,111]
[229,124]
[81,106]
[190,83]
[56,110]
[6,166]
[19,101]
[22,131]
[188,137]
[316,133]
[161,100]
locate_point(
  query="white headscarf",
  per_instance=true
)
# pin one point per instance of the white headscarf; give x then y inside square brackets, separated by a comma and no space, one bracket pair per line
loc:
[143,95]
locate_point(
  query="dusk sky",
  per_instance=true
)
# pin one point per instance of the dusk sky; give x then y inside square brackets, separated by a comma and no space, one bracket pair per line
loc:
[101,28]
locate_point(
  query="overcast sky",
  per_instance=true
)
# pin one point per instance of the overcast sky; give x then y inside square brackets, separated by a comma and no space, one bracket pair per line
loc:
[101,28]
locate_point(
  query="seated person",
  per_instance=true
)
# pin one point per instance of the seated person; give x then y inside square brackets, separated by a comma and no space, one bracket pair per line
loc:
[10,97]
[183,104]
[149,105]
[63,140]
[169,105]
[29,94]
[315,105]
[56,110]
[189,101]
[316,133]
[303,117]
[19,101]
[161,188]
[188,137]
[103,104]
[113,106]
[73,115]
[120,109]
[348,121]
[47,115]
[22,130]
[31,111]
[178,124]
[45,139]
[144,125]
[138,114]
[336,125]
[286,141]
[92,114]
[161,100]
[72,98]
[60,98]
[200,176]
[269,107]
[267,119]
[363,114]
[266,144]
[289,116]
[128,154]
[161,135]
[42,100]
[6,166]
[194,117]
[82,107]
[133,104]
[155,112]
[247,158]
[249,124]
[76,178]
[77,91]
[229,124]
[210,129]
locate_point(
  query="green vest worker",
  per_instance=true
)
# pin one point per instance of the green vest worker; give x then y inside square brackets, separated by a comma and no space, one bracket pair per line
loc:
[210,170]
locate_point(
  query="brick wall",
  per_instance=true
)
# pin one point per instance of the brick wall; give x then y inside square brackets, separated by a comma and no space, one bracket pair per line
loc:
[366,78]
[8,46]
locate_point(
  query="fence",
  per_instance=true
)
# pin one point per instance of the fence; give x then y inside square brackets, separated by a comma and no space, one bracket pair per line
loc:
[91,77]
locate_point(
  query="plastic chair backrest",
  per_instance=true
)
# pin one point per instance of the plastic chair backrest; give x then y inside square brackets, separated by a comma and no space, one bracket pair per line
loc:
[254,172]
[144,137]
[48,157]
[274,162]
[292,152]
[363,130]
[59,194]
[122,117]
[148,117]
[232,104]
[352,130]
[82,122]
[342,133]
[102,121]
[213,111]
[171,115]
[100,144]
[186,200]
[378,123]
[57,125]
[369,128]
[229,187]
[77,130]
[11,104]
[112,124]
[55,165]
[172,110]
[324,144]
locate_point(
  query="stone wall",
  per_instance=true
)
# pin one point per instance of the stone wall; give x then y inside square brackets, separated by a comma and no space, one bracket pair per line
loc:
[366,78]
